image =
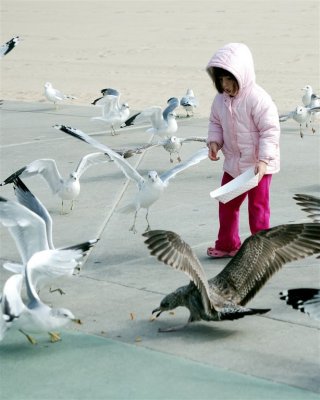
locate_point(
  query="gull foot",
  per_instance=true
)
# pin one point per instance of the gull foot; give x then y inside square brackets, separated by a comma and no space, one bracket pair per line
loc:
[54,337]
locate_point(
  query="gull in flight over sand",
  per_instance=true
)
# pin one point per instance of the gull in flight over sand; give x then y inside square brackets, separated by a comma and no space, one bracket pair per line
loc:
[225,296]
[306,300]
[189,102]
[163,121]
[152,186]
[66,188]
[29,233]
[54,95]
[9,45]
[300,114]
[113,112]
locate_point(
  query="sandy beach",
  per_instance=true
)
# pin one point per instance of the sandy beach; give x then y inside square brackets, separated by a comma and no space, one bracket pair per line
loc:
[153,50]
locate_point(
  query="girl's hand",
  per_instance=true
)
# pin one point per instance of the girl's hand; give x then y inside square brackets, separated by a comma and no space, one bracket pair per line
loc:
[213,151]
[261,169]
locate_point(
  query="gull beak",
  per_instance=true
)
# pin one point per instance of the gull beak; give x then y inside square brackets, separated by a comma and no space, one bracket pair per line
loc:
[157,310]
[77,321]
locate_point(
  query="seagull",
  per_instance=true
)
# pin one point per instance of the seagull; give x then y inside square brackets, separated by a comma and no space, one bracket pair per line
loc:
[65,188]
[8,46]
[151,187]
[163,122]
[30,226]
[55,95]
[173,144]
[36,316]
[225,296]
[310,99]
[307,300]
[301,115]
[189,102]
[113,113]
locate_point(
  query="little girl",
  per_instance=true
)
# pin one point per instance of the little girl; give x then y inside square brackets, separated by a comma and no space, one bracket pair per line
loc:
[244,125]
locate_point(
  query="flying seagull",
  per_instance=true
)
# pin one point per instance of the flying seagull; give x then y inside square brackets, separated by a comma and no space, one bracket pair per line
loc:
[152,186]
[8,46]
[300,114]
[36,316]
[173,144]
[225,296]
[66,188]
[114,113]
[189,102]
[163,121]
[54,95]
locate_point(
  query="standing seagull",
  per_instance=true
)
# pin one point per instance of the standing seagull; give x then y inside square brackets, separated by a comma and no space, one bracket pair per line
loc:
[189,102]
[224,297]
[309,99]
[8,46]
[113,112]
[55,95]
[150,188]
[163,122]
[65,188]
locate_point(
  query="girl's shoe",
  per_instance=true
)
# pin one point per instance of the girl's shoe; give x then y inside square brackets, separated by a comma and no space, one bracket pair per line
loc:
[214,253]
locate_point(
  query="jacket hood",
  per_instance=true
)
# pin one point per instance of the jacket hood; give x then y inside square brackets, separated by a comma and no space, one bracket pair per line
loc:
[237,59]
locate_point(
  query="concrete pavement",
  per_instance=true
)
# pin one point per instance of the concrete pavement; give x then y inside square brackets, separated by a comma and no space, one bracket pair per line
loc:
[118,352]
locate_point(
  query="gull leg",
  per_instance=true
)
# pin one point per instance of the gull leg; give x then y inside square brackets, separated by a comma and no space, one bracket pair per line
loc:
[57,290]
[30,338]
[148,226]
[54,337]
[133,227]
[301,133]
[179,158]
[72,204]
[61,212]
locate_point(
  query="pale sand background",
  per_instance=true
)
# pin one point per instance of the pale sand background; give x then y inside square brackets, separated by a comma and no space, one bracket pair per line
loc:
[153,50]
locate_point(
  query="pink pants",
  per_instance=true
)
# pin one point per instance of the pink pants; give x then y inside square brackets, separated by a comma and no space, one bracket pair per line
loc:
[258,209]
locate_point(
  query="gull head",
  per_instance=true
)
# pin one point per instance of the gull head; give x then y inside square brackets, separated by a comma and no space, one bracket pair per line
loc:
[47,85]
[153,176]
[173,139]
[169,302]
[300,110]
[73,176]
[307,89]
[63,316]
[124,106]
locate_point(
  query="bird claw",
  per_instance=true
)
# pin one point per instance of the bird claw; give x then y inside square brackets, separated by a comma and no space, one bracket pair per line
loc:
[54,337]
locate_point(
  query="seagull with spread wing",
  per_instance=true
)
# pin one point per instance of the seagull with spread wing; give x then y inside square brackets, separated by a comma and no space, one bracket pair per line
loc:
[114,113]
[152,186]
[66,188]
[41,263]
[163,122]
[225,296]
[8,46]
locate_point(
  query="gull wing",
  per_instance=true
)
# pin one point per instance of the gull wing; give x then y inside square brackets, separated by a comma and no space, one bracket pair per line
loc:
[123,164]
[310,204]
[173,103]
[47,168]
[261,255]
[89,160]
[27,229]
[29,200]
[194,139]
[198,156]
[8,46]
[11,303]
[169,248]
[48,265]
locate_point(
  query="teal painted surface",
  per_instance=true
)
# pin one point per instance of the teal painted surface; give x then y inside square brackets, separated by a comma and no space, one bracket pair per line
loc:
[89,367]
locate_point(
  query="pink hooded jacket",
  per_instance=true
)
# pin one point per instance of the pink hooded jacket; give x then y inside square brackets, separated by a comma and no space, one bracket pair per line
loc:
[246,126]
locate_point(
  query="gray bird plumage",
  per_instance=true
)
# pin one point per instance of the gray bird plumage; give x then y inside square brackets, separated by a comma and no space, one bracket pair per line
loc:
[225,295]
